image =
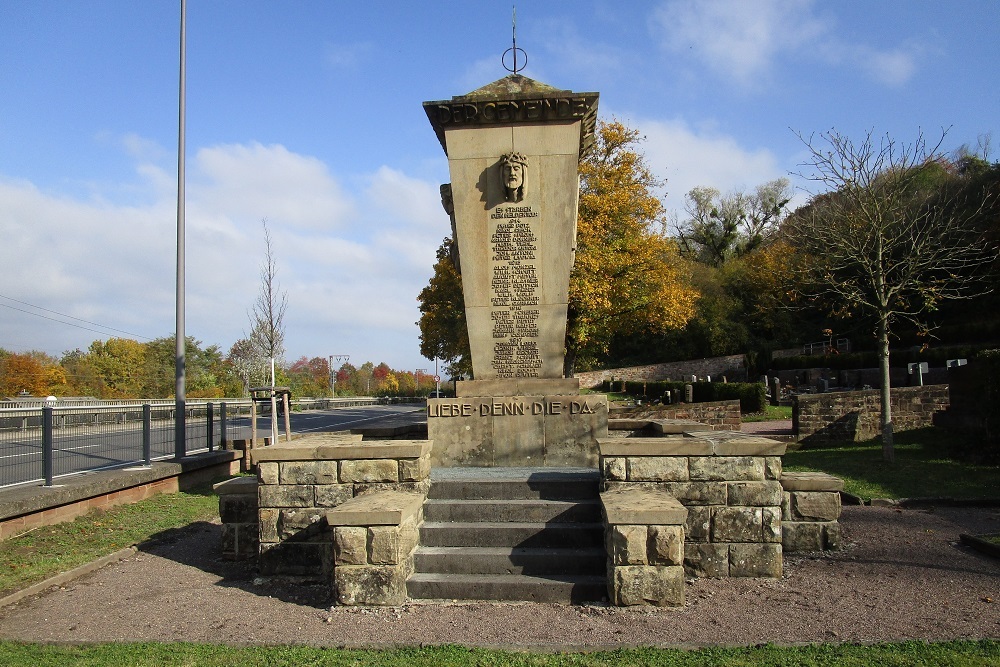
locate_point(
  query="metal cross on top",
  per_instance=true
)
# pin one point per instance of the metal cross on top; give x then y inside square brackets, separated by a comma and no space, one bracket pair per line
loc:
[514,69]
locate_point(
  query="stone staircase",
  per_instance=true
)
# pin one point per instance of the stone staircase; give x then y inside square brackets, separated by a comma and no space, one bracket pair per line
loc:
[527,534]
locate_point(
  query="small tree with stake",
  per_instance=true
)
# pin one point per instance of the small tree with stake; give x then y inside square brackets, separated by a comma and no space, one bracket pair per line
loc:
[893,235]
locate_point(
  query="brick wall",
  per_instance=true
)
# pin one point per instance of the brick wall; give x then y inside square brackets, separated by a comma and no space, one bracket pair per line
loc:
[733,367]
[855,415]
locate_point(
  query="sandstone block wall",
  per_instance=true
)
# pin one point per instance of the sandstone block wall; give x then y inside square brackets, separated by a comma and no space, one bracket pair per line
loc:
[720,415]
[730,486]
[732,366]
[374,538]
[644,539]
[810,511]
[299,482]
[855,415]
[238,512]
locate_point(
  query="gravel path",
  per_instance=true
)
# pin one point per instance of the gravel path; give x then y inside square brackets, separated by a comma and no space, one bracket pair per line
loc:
[901,576]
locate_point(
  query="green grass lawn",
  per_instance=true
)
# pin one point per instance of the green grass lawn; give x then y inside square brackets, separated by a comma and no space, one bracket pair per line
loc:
[771,413]
[946,654]
[49,550]
[922,468]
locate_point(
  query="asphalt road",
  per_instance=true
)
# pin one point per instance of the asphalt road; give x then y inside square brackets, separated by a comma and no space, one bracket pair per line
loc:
[80,448]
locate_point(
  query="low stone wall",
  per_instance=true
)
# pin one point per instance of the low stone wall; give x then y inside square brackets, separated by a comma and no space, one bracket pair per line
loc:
[374,539]
[644,537]
[810,511]
[855,415]
[730,486]
[301,480]
[733,366]
[720,415]
[238,513]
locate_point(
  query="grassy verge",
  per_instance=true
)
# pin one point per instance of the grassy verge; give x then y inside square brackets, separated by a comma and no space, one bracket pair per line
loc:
[922,468]
[946,654]
[770,413]
[49,550]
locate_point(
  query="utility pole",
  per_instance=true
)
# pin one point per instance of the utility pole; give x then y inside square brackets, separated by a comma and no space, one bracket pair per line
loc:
[180,396]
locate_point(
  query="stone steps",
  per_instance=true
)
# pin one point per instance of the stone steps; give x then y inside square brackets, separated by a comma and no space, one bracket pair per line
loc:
[511,534]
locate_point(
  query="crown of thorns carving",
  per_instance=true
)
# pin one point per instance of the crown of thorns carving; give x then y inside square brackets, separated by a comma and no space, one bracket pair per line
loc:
[515,158]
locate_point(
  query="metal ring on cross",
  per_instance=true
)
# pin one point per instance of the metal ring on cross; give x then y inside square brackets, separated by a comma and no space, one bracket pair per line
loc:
[515,68]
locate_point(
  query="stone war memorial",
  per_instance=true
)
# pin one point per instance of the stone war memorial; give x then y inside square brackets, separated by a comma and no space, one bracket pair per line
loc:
[524,488]
[514,148]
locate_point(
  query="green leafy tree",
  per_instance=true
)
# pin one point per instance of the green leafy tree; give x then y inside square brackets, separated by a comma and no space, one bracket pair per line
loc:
[444,333]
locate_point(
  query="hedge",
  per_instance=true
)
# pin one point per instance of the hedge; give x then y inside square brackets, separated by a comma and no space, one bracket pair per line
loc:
[752,395]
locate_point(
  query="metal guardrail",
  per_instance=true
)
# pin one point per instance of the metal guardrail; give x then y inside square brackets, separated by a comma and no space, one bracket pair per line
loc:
[42,444]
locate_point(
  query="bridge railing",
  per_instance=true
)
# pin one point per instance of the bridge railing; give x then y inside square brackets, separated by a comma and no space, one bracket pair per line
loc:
[45,443]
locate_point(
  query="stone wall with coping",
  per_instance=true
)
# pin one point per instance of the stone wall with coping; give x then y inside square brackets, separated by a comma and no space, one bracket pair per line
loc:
[238,513]
[644,539]
[720,415]
[810,511]
[300,481]
[855,415]
[374,538]
[732,366]
[729,485]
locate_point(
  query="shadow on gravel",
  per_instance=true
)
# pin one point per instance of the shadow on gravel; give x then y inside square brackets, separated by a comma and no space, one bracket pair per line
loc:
[198,545]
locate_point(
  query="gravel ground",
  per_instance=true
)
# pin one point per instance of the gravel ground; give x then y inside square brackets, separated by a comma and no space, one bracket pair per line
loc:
[902,575]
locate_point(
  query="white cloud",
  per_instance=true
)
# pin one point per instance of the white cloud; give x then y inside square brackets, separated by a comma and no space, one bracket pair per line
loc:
[743,41]
[348,56]
[269,182]
[352,266]
[688,158]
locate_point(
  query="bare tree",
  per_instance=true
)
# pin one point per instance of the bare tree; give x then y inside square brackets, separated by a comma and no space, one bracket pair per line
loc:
[267,332]
[890,238]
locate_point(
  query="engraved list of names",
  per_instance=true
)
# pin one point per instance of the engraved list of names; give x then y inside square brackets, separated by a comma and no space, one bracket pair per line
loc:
[514,312]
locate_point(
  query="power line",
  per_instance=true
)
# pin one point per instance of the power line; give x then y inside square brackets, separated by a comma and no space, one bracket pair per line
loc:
[31,305]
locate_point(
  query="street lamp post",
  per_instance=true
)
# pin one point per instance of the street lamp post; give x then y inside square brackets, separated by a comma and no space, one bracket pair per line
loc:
[336,361]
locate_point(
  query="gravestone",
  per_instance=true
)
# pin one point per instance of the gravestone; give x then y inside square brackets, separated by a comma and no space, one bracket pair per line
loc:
[513,150]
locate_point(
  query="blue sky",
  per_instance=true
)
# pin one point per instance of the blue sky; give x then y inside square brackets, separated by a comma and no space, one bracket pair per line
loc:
[308,113]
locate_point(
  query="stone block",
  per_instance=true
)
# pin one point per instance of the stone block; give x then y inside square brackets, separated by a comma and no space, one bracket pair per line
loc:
[332,495]
[660,585]
[268,522]
[831,535]
[801,536]
[706,560]
[241,508]
[308,560]
[771,520]
[284,495]
[737,524]
[699,523]
[815,505]
[370,584]
[229,541]
[698,493]
[772,467]
[384,545]
[755,560]
[293,521]
[727,468]
[350,545]
[755,494]
[665,545]
[657,468]
[414,470]
[613,468]
[626,544]
[410,487]
[811,481]
[267,472]
[369,470]
[308,472]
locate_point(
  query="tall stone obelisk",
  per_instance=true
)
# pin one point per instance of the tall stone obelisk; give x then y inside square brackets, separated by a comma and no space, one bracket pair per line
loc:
[513,149]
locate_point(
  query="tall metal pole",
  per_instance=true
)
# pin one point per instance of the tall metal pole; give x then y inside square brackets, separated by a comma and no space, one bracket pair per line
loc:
[180,427]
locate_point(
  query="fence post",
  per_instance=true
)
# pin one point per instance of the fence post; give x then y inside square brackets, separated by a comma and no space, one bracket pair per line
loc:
[222,426]
[147,429]
[210,426]
[47,444]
